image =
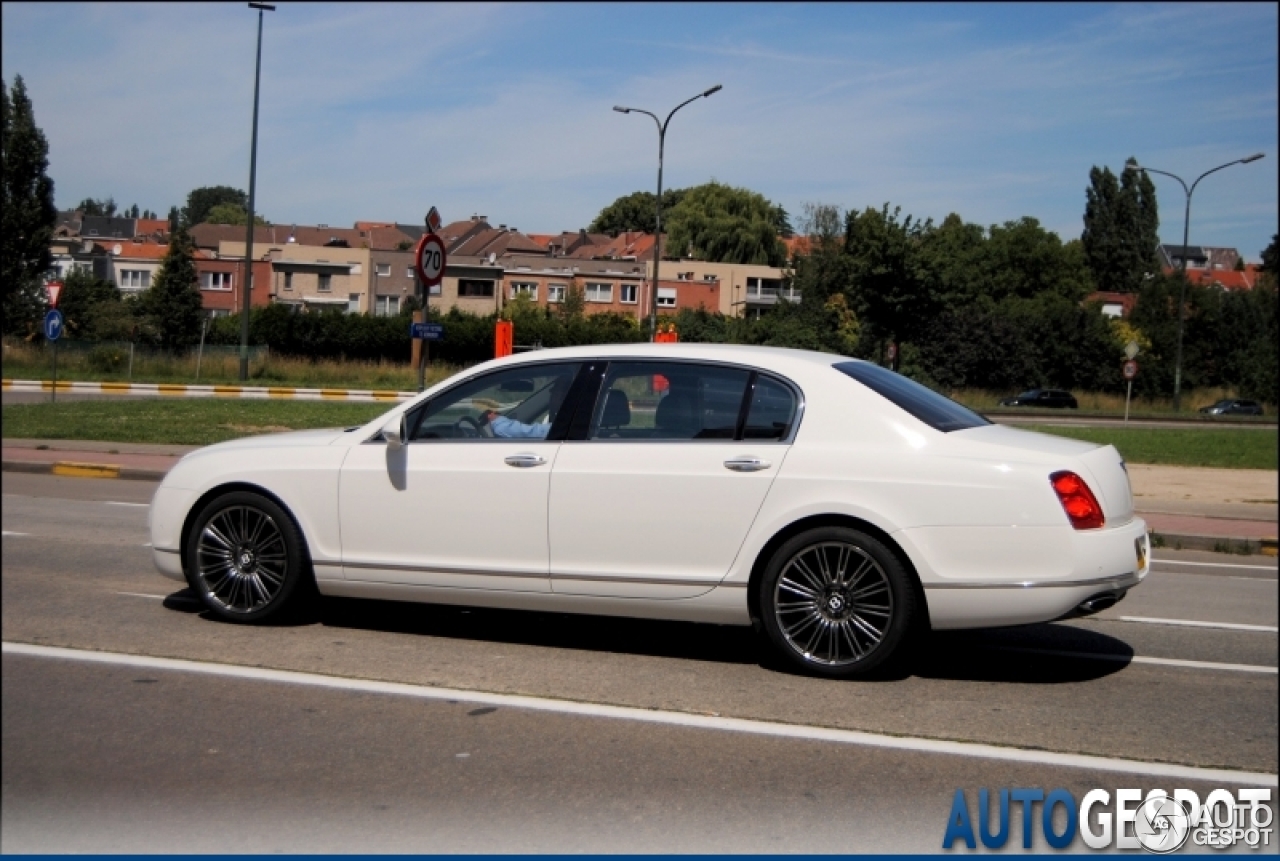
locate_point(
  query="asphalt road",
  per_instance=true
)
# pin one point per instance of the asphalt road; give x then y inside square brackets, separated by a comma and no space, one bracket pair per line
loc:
[402,728]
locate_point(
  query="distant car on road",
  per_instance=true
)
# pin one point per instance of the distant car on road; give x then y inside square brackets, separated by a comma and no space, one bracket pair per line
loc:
[1233,407]
[1055,398]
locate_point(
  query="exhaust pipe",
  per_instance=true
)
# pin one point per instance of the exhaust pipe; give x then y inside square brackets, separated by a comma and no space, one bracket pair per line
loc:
[1098,603]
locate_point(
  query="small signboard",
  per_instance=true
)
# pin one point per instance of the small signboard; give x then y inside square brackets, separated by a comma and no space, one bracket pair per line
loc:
[54,289]
[429,260]
[426,331]
[53,325]
[434,220]
[1130,369]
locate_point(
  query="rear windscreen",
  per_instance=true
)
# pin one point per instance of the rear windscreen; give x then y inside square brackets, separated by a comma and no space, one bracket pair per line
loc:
[935,410]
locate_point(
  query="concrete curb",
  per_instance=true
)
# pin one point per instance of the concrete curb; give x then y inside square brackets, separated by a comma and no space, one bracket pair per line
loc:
[194,391]
[77,469]
[1214,543]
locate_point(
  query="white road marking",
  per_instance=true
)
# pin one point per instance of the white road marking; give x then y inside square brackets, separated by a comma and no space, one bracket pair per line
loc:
[1214,564]
[142,595]
[1230,626]
[7,534]
[666,718]
[1142,659]
[130,504]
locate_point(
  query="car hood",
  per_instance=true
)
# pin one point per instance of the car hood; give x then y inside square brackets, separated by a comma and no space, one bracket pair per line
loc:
[287,439]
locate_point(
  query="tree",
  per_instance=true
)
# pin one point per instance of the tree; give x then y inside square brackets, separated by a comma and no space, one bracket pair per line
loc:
[91,206]
[82,299]
[172,304]
[634,212]
[229,213]
[201,200]
[27,213]
[1271,258]
[722,224]
[890,294]
[133,212]
[175,220]
[1121,229]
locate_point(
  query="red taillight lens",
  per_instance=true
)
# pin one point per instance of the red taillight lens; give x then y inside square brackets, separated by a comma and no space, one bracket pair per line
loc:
[1077,500]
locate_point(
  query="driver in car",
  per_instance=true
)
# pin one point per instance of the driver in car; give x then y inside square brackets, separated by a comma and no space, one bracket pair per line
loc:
[508,428]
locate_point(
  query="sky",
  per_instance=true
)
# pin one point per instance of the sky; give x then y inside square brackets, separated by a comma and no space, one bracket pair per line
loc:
[379,111]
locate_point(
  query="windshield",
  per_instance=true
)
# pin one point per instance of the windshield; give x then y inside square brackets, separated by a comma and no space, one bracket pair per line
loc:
[937,411]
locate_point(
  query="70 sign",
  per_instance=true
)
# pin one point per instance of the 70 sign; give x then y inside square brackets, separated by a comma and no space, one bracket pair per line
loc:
[430,259]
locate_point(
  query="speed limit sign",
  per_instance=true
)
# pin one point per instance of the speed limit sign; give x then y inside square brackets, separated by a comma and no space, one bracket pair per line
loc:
[1130,369]
[430,259]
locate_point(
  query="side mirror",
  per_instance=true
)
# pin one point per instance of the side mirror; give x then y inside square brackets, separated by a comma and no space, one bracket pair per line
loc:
[396,432]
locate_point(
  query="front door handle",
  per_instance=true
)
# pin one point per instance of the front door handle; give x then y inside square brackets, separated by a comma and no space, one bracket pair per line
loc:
[524,461]
[746,464]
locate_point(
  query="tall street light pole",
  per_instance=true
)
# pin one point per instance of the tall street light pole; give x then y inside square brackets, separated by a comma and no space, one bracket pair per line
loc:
[657,233]
[253,176]
[1132,164]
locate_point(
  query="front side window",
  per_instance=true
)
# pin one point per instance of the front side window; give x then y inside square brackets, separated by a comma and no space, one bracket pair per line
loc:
[517,403]
[353,303]
[938,411]
[135,279]
[627,293]
[326,283]
[386,306]
[525,288]
[669,401]
[555,292]
[599,292]
[666,297]
[215,281]
[474,287]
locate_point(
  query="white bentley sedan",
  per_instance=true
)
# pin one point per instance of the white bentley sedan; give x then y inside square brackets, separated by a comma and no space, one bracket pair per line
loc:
[837,506]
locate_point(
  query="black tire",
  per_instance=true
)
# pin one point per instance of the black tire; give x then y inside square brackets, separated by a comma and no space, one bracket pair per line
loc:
[836,602]
[244,559]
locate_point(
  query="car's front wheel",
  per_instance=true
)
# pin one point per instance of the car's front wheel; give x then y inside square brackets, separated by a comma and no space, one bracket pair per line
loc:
[244,558]
[836,602]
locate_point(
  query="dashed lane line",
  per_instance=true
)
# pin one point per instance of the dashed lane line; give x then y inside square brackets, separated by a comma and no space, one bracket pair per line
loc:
[1190,623]
[1142,659]
[909,744]
[1155,561]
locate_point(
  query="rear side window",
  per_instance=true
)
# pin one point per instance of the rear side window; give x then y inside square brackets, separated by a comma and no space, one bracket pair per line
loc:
[935,410]
[773,408]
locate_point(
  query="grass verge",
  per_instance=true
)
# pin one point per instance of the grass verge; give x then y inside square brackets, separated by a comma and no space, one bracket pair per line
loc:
[1214,447]
[188,421]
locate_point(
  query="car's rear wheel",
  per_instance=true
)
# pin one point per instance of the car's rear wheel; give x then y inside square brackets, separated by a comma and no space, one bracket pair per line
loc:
[244,558]
[837,602]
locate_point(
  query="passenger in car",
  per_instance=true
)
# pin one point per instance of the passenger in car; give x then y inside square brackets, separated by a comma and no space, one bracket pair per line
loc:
[508,428]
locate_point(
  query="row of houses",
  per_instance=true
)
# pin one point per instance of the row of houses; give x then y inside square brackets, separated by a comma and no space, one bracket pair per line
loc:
[369,267]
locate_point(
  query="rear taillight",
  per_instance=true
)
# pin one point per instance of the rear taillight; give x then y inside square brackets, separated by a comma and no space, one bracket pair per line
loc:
[1077,500]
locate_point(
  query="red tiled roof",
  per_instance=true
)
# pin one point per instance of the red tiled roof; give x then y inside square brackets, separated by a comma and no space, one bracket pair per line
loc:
[1228,279]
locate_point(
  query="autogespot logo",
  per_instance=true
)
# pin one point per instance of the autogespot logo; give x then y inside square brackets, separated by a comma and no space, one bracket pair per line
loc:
[1158,822]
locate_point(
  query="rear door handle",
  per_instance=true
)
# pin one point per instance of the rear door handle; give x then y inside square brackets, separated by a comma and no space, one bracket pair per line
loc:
[524,460]
[746,464]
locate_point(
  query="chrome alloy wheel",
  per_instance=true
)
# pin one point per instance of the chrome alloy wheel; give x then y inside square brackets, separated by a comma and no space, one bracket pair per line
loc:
[833,603]
[242,559]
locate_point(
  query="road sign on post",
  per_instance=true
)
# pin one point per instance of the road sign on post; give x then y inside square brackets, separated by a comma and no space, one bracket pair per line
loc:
[1130,370]
[54,289]
[53,331]
[503,338]
[426,331]
[430,260]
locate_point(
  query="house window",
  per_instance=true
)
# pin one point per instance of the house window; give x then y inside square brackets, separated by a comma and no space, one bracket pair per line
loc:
[353,303]
[135,279]
[627,293]
[383,270]
[215,313]
[599,292]
[386,306]
[215,281]
[288,280]
[709,277]
[666,297]
[474,287]
[326,282]
[525,288]
[408,272]
[555,292]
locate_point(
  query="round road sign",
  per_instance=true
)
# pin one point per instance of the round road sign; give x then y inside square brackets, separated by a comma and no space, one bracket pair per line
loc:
[430,259]
[53,325]
[1130,369]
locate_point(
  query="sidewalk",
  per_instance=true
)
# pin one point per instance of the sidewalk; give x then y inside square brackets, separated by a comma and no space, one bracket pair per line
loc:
[1186,508]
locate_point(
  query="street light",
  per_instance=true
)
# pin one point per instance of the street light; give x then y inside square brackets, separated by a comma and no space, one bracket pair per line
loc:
[253,175]
[657,233]
[1132,164]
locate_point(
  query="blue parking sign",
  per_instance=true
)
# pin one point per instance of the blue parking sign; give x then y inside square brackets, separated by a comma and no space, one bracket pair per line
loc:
[426,331]
[53,325]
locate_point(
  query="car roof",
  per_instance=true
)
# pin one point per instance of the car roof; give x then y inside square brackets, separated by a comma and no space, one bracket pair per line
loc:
[773,358]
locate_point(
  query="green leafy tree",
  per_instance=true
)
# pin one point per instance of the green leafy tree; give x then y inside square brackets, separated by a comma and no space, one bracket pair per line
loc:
[1271,258]
[83,297]
[722,224]
[634,212]
[782,222]
[133,212]
[172,305]
[230,213]
[1121,229]
[27,213]
[202,200]
[574,304]
[175,219]
[92,206]
[890,294]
